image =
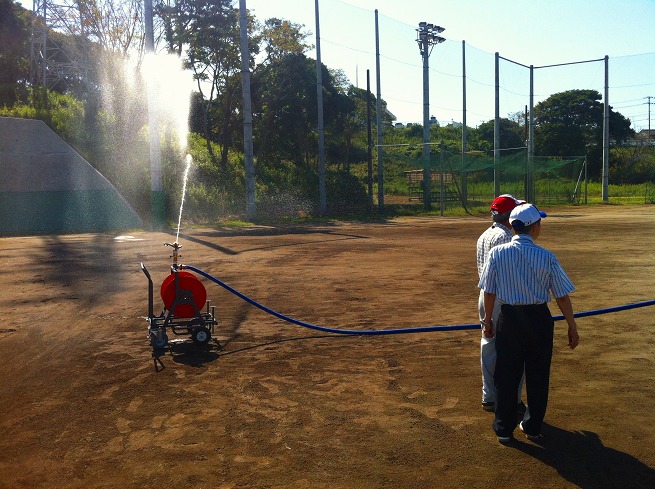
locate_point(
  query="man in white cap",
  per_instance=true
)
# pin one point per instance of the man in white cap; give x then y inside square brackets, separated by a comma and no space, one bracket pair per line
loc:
[498,233]
[524,275]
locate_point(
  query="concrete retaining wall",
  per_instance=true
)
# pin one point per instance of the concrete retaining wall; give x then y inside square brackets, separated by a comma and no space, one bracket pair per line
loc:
[47,187]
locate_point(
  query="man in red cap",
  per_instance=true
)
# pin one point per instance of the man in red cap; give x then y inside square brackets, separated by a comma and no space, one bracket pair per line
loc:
[499,233]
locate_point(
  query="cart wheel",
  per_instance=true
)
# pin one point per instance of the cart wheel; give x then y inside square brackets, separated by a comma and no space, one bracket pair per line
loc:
[201,335]
[158,341]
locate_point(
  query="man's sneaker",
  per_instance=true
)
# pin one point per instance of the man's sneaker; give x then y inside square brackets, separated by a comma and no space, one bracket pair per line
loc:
[505,439]
[488,406]
[528,436]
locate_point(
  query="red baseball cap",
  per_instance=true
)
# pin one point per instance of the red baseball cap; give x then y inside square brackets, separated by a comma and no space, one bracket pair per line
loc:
[502,204]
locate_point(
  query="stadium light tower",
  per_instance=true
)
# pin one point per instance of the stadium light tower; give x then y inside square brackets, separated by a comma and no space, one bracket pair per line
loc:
[427,35]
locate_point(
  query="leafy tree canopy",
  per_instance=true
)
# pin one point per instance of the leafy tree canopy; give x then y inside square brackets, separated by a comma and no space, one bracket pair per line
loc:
[511,133]
[281,37]
[576,118]
[571,124]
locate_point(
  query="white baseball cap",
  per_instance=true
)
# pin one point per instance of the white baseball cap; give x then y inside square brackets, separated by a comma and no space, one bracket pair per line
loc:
[524,215]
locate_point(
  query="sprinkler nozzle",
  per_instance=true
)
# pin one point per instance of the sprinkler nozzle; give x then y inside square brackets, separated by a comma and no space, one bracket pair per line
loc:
[175,256]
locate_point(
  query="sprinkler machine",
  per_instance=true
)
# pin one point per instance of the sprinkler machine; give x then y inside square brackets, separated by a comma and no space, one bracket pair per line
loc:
[184,298]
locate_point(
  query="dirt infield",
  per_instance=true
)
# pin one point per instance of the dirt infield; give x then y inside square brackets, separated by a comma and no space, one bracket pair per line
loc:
[85,405]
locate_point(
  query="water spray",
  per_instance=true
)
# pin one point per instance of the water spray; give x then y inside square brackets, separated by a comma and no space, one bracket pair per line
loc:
[185,177]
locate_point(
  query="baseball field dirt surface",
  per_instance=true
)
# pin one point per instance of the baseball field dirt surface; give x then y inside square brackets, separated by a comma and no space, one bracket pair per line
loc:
[270,404]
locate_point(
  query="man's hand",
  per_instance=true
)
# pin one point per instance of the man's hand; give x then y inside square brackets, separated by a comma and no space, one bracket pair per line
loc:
[564,304]
[574,339]
[488,329]
[488,324]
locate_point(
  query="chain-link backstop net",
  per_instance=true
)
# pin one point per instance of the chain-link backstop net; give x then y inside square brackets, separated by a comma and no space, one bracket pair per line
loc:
[473,179]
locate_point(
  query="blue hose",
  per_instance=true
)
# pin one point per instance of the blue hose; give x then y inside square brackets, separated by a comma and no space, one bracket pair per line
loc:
[372,332]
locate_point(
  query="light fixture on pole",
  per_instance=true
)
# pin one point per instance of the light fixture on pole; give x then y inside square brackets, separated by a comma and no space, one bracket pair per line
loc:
[427,35]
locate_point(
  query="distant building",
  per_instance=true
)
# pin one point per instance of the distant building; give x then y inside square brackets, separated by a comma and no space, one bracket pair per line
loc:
[644,137]
[433,121]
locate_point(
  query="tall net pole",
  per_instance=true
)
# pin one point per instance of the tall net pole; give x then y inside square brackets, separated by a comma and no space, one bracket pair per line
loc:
[427,36]
[247,111]
[606,134]
[427,172]
[529,191]
[464,190]
[378,108]
[497,128]
[319,101]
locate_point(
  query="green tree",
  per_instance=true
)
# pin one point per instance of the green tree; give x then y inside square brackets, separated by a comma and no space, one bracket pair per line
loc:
[571,124]
[348,137]
[281,37]
[276,81]
[511,134]
[284,107]
[632,164]
[208,35]
[350,131]
[451,136]
[116,25]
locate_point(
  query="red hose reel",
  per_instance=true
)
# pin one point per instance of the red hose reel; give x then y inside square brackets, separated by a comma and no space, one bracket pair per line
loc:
[192,286]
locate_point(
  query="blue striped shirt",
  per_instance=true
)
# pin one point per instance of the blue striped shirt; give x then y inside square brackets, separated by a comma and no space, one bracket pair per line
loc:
[496,235]
[520,272]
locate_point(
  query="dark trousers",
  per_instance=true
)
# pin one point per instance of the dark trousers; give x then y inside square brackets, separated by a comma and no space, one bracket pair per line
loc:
[524,339]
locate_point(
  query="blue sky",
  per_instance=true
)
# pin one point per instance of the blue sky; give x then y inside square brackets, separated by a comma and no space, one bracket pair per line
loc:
[530,32]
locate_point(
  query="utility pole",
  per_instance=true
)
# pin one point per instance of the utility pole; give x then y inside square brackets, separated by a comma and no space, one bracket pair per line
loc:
[649,104]
[251,206]
[427,36]
[369,133]
[378,115]
[606,135]
[321,132]
[497,126]
[530,193]
[464,128]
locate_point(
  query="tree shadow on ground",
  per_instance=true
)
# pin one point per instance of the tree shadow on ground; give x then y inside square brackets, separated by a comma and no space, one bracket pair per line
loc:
[83,267]
[581,458]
